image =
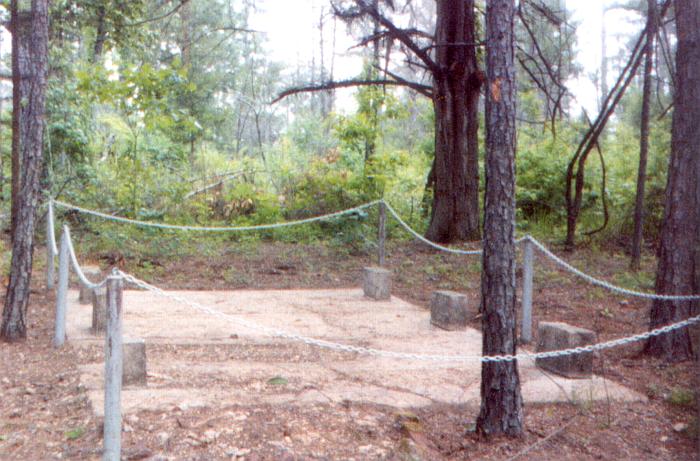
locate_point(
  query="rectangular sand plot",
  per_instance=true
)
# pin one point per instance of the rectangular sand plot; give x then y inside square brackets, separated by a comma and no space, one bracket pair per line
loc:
[202,359]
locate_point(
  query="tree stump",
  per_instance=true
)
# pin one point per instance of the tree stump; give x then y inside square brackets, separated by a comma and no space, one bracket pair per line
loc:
[377,283]
[449,310]
[134,364]
[94,274]
[553,336]
[99,310]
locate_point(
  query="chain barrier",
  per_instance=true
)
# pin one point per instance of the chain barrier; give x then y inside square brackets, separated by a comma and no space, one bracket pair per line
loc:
[414,233]
[50,228]
[603,283]
[76,265]
[430,243]
[402,355]
[216,229]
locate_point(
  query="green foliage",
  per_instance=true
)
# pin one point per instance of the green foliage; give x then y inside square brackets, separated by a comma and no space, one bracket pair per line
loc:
[541,164]
[682,397]
[278,381]
[76,433]
[173,106]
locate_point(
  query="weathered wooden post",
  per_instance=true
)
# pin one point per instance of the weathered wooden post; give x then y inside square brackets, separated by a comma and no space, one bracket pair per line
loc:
[113,371]
[62,292]
[381,252]
[50,256]
[526,330]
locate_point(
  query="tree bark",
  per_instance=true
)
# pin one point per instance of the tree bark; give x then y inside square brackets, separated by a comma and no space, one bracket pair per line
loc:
[501,401]
[677,270]
[186,55]
[451,62]
[100,33]
[21,27]
[638,236]
[456,84]
[32,122]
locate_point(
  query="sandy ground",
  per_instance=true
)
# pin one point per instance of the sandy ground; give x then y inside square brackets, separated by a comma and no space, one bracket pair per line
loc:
[236,365]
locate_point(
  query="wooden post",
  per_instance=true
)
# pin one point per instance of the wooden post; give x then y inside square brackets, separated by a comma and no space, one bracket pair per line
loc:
[381,252]
[526,330]
[113,371]
[50,256]
[62,293]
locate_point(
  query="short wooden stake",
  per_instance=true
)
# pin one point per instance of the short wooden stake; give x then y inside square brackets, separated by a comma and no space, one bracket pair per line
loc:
[113,371]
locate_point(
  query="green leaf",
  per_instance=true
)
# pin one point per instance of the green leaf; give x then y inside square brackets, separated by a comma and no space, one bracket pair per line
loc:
[278,381]
[76,433]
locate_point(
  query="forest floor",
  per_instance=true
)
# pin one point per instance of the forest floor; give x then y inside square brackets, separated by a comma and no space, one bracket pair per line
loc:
[45,412]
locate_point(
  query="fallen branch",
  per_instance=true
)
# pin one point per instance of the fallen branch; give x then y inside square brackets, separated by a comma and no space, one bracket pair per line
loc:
[218,183]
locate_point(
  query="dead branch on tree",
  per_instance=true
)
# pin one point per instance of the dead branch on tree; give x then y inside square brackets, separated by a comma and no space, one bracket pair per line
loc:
[422,89]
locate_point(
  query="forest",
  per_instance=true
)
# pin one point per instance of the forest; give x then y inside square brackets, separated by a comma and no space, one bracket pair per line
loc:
[179,144]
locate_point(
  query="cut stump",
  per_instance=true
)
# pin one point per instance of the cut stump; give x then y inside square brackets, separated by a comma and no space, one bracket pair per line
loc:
[449,310]
[94,274]
[377,283]
[134,365]
[99,310]
[554,336]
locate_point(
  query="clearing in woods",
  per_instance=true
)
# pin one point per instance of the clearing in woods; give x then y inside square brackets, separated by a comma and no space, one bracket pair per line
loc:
[219,391]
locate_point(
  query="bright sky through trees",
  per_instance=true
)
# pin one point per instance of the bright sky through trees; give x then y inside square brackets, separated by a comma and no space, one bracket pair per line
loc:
[291,27]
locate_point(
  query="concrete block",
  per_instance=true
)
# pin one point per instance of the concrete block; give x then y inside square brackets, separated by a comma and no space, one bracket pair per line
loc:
[553,336]
[134,362]
[94,274]
[377,283]
[99,310]
[449,310]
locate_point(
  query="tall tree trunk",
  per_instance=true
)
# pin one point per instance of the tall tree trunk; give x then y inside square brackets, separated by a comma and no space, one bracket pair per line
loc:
[638,236]
[576,169]
[677,270]
[603,60]
[501,401]
[21,68]
[186,55]
[32,123]
[374,105]
[455,214]
[100,33]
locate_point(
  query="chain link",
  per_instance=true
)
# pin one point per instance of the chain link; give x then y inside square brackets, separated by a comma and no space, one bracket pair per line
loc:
[76,265]
[430,243]
[603,283]
[52,234]
[535,242]
[402,355]
[216,229]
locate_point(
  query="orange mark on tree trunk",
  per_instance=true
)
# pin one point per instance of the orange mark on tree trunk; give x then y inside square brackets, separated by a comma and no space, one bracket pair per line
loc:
[496,90]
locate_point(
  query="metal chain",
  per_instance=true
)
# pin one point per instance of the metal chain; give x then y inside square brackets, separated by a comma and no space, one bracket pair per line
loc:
[216,229]
[76,265]
[535,242]
[402,355]
[430,243]
[52,233]
[603,283]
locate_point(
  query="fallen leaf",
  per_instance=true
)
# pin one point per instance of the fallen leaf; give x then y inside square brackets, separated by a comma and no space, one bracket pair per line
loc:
[277,381]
